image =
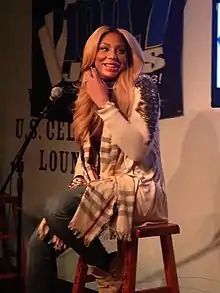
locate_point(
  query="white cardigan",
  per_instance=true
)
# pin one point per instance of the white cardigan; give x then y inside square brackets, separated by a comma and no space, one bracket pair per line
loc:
[138,138]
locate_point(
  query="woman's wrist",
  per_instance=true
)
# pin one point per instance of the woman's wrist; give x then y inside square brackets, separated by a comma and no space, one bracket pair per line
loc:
[78,180]
[105,105]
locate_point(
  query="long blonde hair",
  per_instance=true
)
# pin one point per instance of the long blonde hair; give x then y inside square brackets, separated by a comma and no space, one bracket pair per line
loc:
[86,120]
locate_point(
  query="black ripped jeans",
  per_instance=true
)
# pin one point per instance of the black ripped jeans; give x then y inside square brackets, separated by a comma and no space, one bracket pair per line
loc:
[41,261]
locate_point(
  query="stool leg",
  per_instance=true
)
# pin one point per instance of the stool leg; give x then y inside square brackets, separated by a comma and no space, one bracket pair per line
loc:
[130,266]
[80,278]
[169,263]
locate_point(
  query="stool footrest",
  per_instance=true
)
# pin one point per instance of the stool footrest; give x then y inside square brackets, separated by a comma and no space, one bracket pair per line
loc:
[8,276]
[10,199]
[156,230]
[90,278]
[7,236]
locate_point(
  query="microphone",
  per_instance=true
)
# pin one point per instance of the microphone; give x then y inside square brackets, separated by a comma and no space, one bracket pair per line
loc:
[60,91]
[56,93]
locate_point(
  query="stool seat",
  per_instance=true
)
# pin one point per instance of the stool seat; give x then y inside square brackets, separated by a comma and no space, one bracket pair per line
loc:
[154,229]
[129,253]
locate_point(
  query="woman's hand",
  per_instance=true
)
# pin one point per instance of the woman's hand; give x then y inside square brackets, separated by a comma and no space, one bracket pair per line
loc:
[96,88]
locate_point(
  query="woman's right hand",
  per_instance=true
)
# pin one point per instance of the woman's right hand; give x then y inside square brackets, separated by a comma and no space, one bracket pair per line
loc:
[96,88]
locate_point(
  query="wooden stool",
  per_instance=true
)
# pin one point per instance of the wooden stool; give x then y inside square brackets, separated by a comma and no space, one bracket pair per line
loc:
[129,251]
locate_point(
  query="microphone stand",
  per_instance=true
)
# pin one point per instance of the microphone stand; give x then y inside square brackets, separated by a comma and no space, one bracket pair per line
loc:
[18,165]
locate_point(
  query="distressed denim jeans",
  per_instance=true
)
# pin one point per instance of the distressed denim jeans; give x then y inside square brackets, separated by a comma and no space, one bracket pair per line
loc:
[41,260]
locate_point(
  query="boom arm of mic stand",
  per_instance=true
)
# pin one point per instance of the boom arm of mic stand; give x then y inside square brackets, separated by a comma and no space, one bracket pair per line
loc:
[20,153]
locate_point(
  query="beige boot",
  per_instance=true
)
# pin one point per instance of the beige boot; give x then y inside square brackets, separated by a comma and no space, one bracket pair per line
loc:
[111,282]
[109,285]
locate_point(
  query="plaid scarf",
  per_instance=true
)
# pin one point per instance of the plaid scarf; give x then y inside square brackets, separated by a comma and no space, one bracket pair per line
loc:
[96,211]
[113,189]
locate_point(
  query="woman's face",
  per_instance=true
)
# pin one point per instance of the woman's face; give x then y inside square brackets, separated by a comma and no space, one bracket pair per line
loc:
[111,58]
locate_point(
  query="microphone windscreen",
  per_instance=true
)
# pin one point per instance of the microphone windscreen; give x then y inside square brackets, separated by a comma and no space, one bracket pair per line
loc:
[56,93]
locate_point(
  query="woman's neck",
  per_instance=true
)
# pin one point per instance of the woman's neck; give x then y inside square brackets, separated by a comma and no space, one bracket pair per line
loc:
[110,84]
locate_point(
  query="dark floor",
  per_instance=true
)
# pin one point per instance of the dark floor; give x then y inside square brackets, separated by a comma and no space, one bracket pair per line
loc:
[12,287]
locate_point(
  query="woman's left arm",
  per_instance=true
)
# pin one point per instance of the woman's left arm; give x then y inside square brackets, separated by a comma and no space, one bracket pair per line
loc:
[133,137]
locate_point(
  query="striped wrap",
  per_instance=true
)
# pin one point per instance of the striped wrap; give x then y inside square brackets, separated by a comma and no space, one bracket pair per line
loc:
[113,188]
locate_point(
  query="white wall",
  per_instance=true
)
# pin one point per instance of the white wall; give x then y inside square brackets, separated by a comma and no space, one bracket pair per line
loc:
[190,150]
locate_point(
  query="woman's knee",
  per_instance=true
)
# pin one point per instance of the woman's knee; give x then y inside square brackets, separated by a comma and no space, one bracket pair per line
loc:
[34,246]
[52,207]
[62,206]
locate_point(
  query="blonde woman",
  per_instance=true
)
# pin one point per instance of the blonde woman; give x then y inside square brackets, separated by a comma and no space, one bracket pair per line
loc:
[118,179]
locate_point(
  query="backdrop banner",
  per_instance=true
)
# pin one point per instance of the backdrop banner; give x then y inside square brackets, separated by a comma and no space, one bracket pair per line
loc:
[61,28]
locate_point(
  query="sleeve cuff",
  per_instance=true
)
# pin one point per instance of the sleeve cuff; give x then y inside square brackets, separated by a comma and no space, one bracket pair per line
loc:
[107,111]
